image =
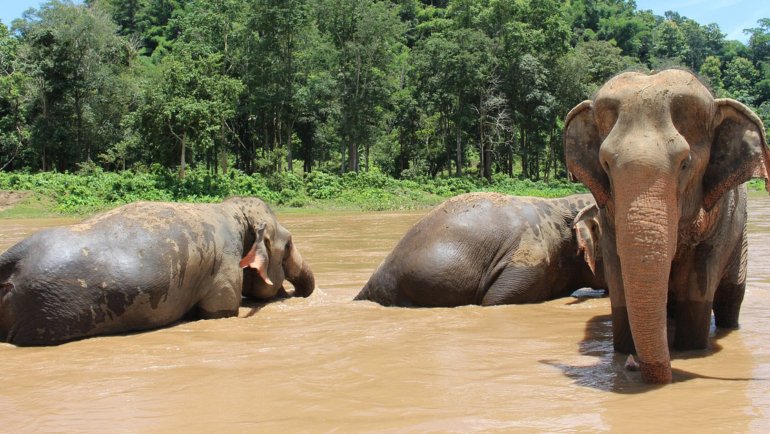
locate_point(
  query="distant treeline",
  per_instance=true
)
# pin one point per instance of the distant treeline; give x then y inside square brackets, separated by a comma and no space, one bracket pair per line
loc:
[414,88]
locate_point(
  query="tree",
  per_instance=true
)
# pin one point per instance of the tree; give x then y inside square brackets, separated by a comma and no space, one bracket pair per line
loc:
[71,53]
[155,24]
[494,123]
[185,105]
[759,41]
[316,98]
[125,13]
[14,131]
[739,78]
[450,70]
[366,34]
[711,70]
[696,40]
[279,24]
[670,43]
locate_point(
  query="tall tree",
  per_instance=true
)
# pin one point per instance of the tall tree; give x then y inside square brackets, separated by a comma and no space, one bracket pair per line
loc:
[367,34]
[739,79]
[14,131]
[280,24]
[71,52]
[185,105]
[451,70]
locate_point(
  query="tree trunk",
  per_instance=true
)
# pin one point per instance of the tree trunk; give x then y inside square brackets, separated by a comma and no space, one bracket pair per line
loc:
[459,151]
[289,153]
[182,157]
[524,155]
[352,157]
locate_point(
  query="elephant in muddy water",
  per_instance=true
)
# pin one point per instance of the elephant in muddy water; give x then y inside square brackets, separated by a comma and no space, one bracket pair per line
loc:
[142,266]
[666,163]
[486,249]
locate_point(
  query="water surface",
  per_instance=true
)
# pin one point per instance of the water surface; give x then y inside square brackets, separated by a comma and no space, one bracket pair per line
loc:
[329,364]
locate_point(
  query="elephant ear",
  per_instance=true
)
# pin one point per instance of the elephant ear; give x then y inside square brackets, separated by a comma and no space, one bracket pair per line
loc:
[738,153]
[587,233]
[257,256]
[581,151]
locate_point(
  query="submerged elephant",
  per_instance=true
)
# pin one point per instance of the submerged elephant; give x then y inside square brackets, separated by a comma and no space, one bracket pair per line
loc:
[145,265]
[486,249]
[666,163]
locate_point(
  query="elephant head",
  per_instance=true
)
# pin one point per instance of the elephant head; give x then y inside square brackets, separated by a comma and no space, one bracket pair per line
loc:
[588,234]
[658,152]
[270,255]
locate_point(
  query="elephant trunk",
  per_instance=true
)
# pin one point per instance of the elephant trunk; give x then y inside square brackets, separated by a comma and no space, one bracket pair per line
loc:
[298,272]
[646,221]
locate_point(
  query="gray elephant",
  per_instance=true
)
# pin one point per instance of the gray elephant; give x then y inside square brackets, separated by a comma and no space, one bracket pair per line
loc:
[666,163]
[142,266]
[486,249]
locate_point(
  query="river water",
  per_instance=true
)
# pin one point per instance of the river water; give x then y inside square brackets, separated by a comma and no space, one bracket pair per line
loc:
[329,364]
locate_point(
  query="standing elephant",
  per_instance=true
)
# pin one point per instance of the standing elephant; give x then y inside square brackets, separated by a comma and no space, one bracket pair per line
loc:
[142,266]
[486,249]
[665,162]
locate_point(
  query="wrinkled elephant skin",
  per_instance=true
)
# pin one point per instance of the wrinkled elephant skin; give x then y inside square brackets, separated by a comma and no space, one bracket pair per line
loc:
[142,266]
[666,163]
[485,249]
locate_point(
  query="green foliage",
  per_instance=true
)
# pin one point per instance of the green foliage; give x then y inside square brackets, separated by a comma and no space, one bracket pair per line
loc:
[92,189]
[417,90]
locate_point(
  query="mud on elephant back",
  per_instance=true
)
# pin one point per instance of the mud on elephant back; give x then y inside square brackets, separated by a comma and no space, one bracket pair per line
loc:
[666,163]
[142,266]
[490,249]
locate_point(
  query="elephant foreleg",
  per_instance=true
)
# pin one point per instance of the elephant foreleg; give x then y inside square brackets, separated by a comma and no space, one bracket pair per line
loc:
[516,285]
[221,301]
[622,340]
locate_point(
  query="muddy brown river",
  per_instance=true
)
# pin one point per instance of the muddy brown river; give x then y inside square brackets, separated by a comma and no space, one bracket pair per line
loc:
[329,364]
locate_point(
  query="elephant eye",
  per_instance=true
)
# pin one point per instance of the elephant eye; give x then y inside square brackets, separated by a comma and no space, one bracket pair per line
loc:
[287,249]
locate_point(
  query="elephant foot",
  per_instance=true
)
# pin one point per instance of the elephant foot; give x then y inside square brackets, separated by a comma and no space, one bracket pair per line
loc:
[693,321]
[622,340]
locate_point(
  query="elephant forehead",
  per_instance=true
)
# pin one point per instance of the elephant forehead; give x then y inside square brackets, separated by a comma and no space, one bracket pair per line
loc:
[632,89]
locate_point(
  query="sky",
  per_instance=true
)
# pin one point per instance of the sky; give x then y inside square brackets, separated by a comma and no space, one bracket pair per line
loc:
[12,9]
[732,16]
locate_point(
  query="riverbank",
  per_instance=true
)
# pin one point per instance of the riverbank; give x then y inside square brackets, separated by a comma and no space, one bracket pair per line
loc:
[50,194]
[24,195]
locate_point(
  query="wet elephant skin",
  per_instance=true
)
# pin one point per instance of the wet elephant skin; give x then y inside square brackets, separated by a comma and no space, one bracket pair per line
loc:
[141,266]
[485,249]
[666,163]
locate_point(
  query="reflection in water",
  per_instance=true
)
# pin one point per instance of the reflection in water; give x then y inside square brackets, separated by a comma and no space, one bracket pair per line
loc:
[327,363]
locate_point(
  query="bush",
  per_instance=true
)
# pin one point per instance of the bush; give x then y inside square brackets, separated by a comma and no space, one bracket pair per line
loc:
[92,189]
[322,185]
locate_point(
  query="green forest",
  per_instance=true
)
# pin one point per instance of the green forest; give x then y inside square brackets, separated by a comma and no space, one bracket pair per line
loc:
[415,90]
